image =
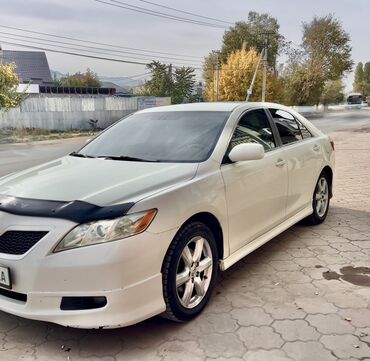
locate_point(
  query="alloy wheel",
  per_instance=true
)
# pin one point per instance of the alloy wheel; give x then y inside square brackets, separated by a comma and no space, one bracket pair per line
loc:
[194,272]
[322,196]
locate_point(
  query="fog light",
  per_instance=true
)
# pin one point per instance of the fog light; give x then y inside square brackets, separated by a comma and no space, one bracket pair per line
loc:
[82,303]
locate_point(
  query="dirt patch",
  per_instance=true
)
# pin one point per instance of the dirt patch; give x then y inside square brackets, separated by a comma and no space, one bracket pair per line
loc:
[9,135]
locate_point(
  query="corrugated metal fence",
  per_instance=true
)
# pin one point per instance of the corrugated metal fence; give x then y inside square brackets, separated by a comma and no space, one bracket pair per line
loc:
[65,113]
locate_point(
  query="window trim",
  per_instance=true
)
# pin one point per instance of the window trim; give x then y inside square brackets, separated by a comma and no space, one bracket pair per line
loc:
[225,158]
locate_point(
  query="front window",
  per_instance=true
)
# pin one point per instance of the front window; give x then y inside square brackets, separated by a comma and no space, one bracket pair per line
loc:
[254,127]
[177,136]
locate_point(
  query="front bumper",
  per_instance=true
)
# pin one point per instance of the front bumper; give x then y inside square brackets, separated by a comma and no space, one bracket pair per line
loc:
[126,272]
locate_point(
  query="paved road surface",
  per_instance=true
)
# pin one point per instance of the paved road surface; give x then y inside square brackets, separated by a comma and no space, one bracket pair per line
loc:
[14,157]
[343,120]
[303,296]
[21,156]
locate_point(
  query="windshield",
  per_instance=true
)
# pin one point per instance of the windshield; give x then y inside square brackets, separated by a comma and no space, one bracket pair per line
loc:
[188,136]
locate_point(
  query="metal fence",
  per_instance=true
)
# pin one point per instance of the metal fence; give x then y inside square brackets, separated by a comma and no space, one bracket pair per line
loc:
[66,113]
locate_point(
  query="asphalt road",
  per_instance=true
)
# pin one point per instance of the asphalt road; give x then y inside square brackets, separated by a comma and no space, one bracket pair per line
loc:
[15,157]
[352,118]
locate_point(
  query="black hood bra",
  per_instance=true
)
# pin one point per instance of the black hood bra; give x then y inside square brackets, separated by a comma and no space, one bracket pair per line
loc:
[75,211]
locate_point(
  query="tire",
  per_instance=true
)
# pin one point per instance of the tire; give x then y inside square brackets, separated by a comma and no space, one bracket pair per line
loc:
[193,271]
[320,201]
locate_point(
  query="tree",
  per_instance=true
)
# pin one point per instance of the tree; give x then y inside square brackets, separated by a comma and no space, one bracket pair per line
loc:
[358,85]
[87,79]
[161,82]
[253,33]
[167,81]
[325,56]
[236,76]
[9,81]
[327,46]
[184,81]
[367,79]
[333,92]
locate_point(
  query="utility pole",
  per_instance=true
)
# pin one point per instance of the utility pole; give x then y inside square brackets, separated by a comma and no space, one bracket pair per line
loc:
[264,71]
[217,52]
[264,79]
[250,89]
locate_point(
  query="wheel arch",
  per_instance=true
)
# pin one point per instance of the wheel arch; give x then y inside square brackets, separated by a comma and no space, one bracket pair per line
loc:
[329,172]
[214,225]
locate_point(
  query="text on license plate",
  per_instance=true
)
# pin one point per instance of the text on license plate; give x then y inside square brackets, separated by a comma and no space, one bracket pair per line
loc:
[5,277]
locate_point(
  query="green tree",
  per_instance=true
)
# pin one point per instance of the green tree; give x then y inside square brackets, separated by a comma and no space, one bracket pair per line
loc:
[161,81]
[325,56]
[333,92]
[253,33]
[9,81]
[167,81]
[184,81]
[358,85]
[367,79]
[327,46]
[87,79]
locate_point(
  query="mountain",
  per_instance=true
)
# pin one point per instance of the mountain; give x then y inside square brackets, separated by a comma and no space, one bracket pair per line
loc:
[122,81]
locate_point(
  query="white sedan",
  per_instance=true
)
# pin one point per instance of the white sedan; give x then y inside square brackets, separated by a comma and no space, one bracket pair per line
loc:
[140,221]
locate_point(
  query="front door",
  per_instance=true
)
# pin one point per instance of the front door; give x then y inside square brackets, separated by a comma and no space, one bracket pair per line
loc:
[256,191]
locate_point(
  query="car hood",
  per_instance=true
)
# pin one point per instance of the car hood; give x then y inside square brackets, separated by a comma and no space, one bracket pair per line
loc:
[97,181]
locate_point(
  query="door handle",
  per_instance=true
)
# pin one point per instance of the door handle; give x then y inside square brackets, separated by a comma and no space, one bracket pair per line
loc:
[316,148]
[280,162]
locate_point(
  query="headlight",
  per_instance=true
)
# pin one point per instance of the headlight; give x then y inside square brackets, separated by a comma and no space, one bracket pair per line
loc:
[106,230]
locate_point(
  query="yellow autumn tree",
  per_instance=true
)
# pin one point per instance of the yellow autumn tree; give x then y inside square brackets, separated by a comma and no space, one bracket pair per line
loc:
[236,76]
[9,81]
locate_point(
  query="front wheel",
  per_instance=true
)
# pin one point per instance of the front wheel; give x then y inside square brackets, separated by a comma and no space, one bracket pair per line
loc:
[189,272]
[321,201]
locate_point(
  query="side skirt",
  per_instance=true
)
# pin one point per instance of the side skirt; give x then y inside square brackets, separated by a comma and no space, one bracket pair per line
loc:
[258,242]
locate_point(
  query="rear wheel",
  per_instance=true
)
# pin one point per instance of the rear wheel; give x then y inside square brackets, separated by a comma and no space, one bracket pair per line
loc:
[321,201]
[189,272]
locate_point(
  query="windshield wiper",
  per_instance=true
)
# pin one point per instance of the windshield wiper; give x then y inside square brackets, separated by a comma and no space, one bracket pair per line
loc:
[126,158]
[75,154]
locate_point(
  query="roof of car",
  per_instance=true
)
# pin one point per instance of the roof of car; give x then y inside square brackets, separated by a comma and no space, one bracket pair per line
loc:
[211,106]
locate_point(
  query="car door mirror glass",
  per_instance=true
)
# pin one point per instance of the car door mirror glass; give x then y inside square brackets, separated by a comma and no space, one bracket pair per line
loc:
[246,151]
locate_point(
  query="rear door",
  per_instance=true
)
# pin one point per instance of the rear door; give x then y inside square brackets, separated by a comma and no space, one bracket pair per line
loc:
[303,153]
[256,190]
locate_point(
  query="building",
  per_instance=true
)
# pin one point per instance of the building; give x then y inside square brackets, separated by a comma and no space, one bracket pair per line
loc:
[32,66]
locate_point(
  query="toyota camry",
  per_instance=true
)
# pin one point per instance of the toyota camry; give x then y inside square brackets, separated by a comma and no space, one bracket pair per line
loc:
[141,220]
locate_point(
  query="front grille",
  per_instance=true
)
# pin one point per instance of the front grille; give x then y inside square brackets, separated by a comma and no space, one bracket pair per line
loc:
[19,242]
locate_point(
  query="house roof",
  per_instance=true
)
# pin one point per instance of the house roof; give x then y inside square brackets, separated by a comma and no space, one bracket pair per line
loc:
[31,65]
[119,89]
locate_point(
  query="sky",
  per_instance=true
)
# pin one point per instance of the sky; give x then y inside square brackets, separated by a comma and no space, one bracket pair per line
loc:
[95,21]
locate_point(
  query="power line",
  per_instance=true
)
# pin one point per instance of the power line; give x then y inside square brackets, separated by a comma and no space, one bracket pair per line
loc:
[47,41]
[97,43]
[76,54]
[80,54]
[139,9]
[185,12]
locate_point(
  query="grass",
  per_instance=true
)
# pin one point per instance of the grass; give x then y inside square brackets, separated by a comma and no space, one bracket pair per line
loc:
[10,135]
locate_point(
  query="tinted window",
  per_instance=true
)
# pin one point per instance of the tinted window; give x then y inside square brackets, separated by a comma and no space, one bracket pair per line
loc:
[161,136]
[304,131]
[288,127]
[254,127]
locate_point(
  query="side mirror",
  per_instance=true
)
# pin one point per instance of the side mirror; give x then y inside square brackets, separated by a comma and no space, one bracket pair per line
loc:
[247,151]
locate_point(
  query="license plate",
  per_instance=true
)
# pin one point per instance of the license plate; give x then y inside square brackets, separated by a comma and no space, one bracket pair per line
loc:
[5,280]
